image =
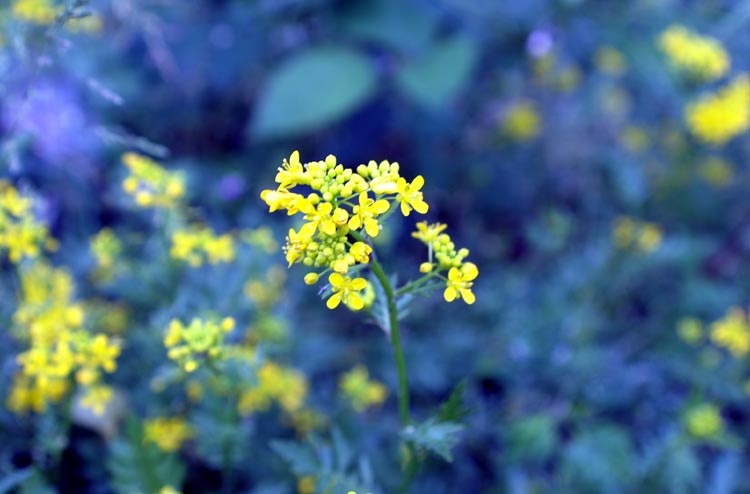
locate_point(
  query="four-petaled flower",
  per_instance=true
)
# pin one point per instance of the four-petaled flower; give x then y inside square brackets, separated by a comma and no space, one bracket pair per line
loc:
[460,281]
[345,289]
[365,213]
[410,195]
[428,233]
[291,172]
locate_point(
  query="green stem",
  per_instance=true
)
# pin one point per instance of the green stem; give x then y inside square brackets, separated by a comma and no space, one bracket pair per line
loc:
[414,284]
[403,385]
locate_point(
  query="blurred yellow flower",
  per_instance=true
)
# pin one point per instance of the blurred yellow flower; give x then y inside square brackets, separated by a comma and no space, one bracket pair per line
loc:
[610,61]
[704,421]
[716,171]
[702,57]
[522,121]
[167,433]
[690,330]
[733,332]
[716,118]
[360,391]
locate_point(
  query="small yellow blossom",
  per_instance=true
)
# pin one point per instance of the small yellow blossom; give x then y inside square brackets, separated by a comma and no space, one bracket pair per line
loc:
[96,398]
[702,57]
[359,390]
[733,333]
[427,234]
[199,340]
[704,421]
[151,185]
[41,12]
[409,195]
[716,118]
[21,234]
[106,247]
[282,385]
[522,121]
[167,433]
[365,213]
[690,330]
[716,171]
[345,289]
[460,281]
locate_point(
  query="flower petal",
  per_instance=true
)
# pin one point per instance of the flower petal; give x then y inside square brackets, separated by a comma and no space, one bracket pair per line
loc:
[334,301]
[358,284]
[450,294]
[469,271]
[468,296]
[336,280]
[355,302]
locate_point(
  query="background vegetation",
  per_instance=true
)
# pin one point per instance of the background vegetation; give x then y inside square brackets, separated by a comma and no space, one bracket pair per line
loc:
[597,170]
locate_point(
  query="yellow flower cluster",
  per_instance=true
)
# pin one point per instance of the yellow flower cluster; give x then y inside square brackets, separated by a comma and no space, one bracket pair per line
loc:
[341,203]
[35,11]
[20,232]
[282,385]
[59,345]
[522,121]
[167,433]
[198,244]
[732,332]
[718,117]
[702,57]
[628,232]
[704,421]
[106,247]
[150,184]
[443,256]
[201,339]
[267,291]
[362,392]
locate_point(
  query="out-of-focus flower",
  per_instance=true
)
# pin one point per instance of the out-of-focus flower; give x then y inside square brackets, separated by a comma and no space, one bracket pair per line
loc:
[716,171]
[732,332]
[628,232]
[720,116]
[360,391]
[167,433]
[702,57]
[521,121]
[282,385]
[198,244]
[690,330]
[704,421]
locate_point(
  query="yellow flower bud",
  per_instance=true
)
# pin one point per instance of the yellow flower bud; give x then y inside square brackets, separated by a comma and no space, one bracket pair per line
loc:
[311,278]
[425,267]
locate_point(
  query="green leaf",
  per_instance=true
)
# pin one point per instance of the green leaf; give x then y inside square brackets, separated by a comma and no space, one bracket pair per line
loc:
[532,438]
[436,78]
[600,459]
[402,26]
[454,409]
[314,88]
[301,459]
[434,436]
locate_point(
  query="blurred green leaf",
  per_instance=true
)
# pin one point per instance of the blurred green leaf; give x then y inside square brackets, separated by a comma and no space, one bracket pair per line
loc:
[401,25]
[600,459]
[454,409]
[314,88]
[437,437]
[532,438]
[434,79]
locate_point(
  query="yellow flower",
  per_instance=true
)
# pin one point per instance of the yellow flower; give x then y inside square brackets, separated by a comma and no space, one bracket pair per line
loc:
[702,57]
[522,122]
[690,330]
[345,289]
[704,421]
[96,398]
[427,234]
[410,196]
[733,333]
[150,184]
[197,244]
[291,172]
[167,433]
[716,171]
[106,247]
[285,386]
[199,340]
[360,391]
[281,199]
[361,251]
[41,12]
[718,117]
[365,213]
[319,219]
[460,281]
[650,237]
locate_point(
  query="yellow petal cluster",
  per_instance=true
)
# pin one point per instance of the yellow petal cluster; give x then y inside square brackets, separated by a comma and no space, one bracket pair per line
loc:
[190,344]
[106,247]
[631,233]
[718,117]
[167,433]
[276,384]
[704,421]
[361,391]
[21,234]
[340,201]
[59,346]
[701,57]
[522,121]
[41,12]
[150,185]
[198,244]
[732,332]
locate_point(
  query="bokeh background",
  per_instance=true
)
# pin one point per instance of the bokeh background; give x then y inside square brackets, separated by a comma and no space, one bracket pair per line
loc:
[598,173]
